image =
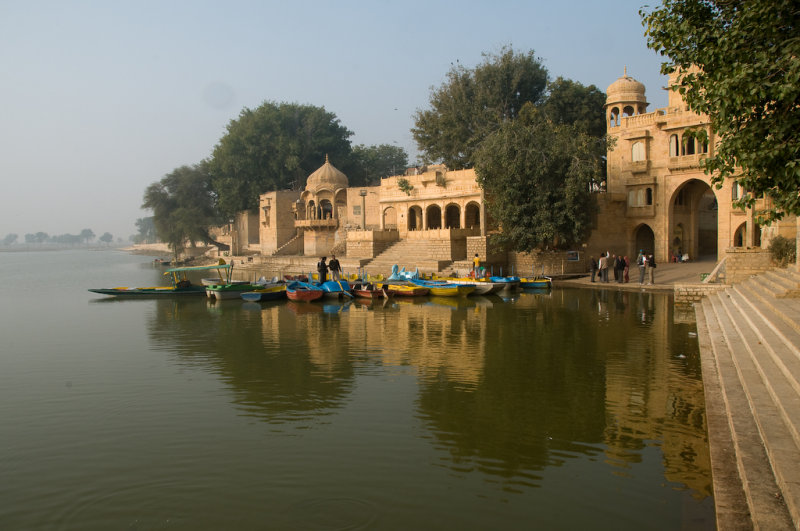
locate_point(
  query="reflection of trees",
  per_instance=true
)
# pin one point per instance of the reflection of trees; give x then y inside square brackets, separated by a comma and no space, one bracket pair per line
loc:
[542,390]
[569,373]
[278,367]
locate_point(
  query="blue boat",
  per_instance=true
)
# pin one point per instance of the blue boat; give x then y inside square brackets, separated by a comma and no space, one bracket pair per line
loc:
[336,289]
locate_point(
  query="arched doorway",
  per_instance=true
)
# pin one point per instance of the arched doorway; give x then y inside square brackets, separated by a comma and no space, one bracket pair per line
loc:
[693,207]
[452,217]
[645,239]
[390,218]
[434,214]
[739,235]
[414,218]
[472,216]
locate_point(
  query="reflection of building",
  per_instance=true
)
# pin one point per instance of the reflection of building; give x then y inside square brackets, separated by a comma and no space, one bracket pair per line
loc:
[658,197]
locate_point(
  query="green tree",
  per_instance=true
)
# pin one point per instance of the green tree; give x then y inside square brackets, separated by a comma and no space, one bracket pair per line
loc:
[87,235]
[274,147]
[147,230]
[537,176]
[740,65]
[473,103]
[374,162]
[183,207]
[41,237]
[10,239]
[569,102]
[106,238]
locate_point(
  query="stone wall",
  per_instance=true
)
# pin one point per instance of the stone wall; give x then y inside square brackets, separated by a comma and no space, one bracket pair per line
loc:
[369,244]
[688,294]
[742,263]
[547,263]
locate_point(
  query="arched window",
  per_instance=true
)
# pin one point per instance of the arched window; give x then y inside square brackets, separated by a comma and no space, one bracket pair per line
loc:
[637,152]
[673,145]
[627,111]
[613,117]
[687,147]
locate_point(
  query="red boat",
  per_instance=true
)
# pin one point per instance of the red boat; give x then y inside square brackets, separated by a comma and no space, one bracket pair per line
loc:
[300,291]
[368,290]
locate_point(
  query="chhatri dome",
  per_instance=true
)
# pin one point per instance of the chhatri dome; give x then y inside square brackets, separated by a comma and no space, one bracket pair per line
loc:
[327,177]
[625,89]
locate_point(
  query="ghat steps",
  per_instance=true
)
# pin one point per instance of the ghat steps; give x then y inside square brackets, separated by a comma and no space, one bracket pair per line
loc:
[411,254]
[750,339]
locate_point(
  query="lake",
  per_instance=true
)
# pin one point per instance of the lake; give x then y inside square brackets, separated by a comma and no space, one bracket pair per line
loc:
[575,409]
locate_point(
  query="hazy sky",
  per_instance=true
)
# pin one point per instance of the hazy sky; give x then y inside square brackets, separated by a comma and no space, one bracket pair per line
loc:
[100,99]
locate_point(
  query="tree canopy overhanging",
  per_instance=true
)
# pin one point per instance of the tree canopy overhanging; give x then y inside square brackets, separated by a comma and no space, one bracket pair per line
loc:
[739,63]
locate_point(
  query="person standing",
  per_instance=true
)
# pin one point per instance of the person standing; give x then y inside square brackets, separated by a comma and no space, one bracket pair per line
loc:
[651,269]
[640,262]
[626,270]
[619,268]
[603,265]
[476,266]
[322,269]
[335,268]
[592,267]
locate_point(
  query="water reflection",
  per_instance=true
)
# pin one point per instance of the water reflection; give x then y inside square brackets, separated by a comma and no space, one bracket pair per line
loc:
[507,388]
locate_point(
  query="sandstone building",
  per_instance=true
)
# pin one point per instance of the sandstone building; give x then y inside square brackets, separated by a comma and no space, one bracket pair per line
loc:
[656,198]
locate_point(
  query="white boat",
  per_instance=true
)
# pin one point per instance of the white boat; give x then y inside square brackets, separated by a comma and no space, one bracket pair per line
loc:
[482,287]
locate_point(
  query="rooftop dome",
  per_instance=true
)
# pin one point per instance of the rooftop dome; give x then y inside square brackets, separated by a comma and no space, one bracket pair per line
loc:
[326,177]
[625,89]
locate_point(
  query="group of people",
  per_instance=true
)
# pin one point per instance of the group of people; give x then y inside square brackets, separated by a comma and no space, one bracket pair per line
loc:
[333,266]
[621,265]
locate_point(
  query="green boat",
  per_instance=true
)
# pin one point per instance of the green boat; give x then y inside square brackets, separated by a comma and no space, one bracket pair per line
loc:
[180,284]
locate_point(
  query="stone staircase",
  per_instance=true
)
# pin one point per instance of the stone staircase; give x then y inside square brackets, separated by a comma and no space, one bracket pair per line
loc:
[750,339]
[411,254]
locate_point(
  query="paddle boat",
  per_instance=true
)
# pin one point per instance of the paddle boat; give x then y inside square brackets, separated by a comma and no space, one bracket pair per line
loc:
[303,291]
[482,287]
[269,293]
[536,283]
[368,290]
[509,283]
[336,289]
[442,288]
[404,290]
[180,284]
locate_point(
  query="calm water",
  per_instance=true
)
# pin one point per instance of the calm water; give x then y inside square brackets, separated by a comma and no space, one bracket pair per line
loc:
[578,410]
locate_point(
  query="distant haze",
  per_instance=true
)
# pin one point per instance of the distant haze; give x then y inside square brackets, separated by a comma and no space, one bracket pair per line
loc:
[100,99]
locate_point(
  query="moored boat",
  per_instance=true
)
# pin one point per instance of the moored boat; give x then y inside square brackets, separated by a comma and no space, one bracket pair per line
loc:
[180,284]
[405,290]
[368,290]
[509,283]
[336,289]
[445,289]
[269,293]
[302,291]
[536,283]
[482,287]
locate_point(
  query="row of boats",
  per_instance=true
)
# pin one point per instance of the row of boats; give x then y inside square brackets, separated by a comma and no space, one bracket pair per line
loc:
[223,287]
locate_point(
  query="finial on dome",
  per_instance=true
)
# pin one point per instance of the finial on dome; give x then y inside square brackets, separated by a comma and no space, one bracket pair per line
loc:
[625,71]
[326,159]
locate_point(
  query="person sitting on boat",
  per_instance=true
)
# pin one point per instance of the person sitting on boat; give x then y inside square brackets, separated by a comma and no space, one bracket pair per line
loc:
[335,268]
[322,269]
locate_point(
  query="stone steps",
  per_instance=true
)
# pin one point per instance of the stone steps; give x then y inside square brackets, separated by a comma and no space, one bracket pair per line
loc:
[408,254]
[752,334]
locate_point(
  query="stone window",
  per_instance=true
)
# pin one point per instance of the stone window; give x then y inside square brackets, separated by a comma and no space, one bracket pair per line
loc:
[637,152]
[673,145]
